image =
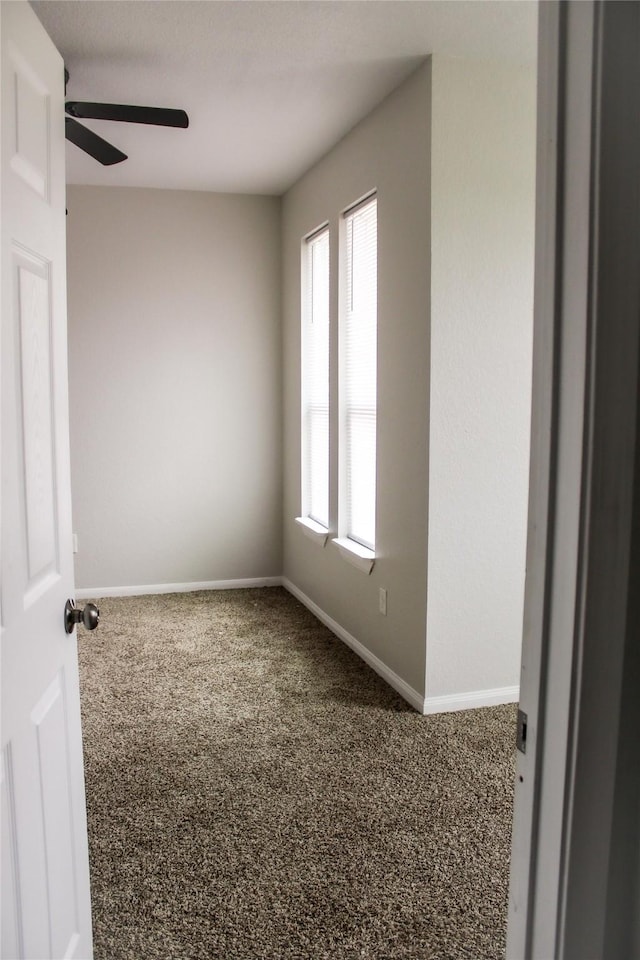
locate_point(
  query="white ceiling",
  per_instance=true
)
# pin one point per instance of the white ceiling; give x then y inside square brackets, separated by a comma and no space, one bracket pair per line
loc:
[269,85]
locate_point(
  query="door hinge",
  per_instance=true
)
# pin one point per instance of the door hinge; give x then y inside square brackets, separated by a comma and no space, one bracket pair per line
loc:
[521,735]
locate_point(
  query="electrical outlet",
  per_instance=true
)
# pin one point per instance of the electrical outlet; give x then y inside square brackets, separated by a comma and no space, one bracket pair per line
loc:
[75,542]
[382,601]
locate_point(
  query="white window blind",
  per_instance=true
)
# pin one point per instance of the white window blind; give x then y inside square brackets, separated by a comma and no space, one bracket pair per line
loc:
[315,380]
[359,371]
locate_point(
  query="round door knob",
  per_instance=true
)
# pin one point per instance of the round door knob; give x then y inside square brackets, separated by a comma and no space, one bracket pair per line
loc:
[89,616]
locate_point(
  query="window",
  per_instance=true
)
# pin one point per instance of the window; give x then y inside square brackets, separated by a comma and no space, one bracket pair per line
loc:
[315,379]
[358,373]
[356,483]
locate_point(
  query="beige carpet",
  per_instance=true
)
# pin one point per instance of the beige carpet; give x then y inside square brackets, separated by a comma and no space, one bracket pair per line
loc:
[256,791]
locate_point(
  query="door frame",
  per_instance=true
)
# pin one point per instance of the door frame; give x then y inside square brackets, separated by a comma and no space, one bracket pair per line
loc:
[575,870]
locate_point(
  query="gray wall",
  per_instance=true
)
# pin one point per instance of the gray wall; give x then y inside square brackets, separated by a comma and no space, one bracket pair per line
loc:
[175,385]
[452,155]
[389,151]
[482,229]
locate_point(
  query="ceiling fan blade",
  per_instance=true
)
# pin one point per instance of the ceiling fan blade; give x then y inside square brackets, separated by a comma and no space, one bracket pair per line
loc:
[159,116]
[92,144]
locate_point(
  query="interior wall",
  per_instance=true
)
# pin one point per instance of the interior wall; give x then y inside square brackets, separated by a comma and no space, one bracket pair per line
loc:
[482,227]
[388,151]
[175,385]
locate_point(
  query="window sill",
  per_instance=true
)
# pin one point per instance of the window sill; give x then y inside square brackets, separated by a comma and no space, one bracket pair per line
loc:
[315,531]
[355,554]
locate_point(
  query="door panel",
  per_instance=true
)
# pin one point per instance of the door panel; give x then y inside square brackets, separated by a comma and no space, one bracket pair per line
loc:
[30,144]
[52,738]
[11,920]
[33,318]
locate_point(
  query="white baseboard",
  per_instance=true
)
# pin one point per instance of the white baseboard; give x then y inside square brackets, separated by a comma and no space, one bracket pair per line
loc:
[87,593]
[471,700]
[425,705]
[408,693]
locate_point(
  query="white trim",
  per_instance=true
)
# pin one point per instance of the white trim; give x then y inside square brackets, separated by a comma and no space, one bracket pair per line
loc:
[86,593]
[408,693]
[457,701]
[354,553]
[574,873]
[314,530]
[471,700]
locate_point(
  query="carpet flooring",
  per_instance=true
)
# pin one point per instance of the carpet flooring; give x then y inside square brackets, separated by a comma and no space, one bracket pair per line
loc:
[254,790]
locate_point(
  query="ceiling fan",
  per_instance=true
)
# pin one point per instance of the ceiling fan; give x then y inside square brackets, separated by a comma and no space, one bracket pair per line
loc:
[100,149]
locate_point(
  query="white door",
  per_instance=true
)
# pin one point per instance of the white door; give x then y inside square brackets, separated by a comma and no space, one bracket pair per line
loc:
[45,872]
